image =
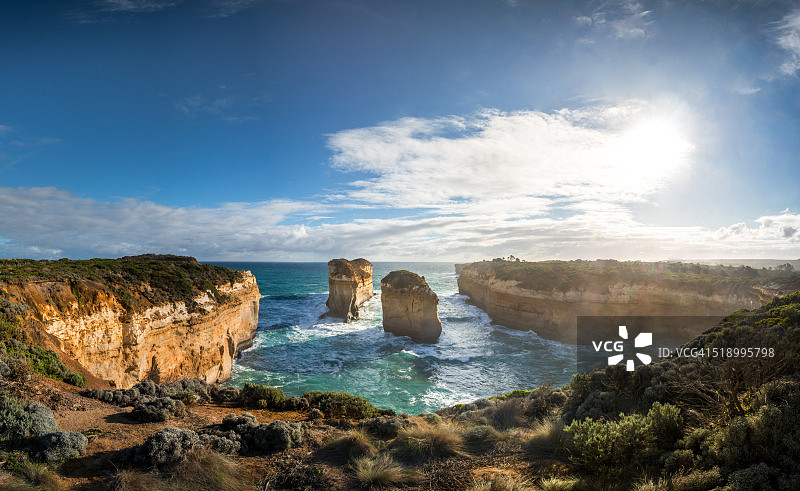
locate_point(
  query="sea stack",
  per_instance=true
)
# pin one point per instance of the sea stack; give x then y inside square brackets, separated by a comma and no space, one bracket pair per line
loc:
[349,286]
[410,307]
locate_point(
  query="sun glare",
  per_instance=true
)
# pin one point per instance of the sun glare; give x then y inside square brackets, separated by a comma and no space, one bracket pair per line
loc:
[648,153]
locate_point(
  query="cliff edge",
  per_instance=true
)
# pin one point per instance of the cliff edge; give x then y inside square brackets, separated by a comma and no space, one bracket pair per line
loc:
[125,320]
[410,307]
[548,296]
[349,286]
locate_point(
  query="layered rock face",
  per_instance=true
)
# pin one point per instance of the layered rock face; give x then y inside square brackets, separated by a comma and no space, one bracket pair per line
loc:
[163,342]
[410,307]
[349,286]
[552,314]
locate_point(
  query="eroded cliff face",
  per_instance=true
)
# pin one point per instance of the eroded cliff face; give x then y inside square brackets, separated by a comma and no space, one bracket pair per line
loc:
[349,286]
[163,342]
[410,307]
[553,314]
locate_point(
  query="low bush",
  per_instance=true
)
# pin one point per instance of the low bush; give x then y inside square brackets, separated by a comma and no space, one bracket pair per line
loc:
[547,436]
[343,405]
[61,445]
[386,426]
[277,436]
[167,446]
[36,476]
[431,418]
[480,439]
[558,484]
[262,396]
[19,420]
[133,480]
[161,409]
[42,361]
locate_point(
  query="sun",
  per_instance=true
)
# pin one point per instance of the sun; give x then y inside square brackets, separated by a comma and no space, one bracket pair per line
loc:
[648,153]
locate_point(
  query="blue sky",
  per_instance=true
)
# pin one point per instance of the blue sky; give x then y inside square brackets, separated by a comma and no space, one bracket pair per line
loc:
[431,130]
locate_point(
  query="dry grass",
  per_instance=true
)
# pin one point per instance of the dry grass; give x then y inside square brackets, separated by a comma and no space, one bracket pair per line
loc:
[481,439]
[503,483]
[9,482]
[39,475]
[558,484]
[353,444]
[203,469]
[547,436]
[429,442]
[650,485]
[381,471]
[131,480]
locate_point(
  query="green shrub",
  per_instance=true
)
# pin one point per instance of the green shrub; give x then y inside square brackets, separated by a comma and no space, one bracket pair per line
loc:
[262,396]
[42,361]
[19,421]
[698,480]
[343,405]
[609,446]
[351,445]
[514,394]
[665,423]
[422,442]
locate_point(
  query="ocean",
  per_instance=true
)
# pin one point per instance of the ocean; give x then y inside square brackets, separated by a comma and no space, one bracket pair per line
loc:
[297,351]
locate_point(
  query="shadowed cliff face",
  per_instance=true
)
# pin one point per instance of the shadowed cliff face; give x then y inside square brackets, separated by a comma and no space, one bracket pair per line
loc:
[410,307]
[96,324]
[350,285]
[508,293]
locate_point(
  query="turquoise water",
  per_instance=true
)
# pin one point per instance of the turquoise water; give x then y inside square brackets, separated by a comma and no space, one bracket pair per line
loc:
[297,351]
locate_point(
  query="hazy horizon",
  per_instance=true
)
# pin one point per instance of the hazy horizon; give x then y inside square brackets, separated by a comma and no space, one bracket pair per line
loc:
[299,131]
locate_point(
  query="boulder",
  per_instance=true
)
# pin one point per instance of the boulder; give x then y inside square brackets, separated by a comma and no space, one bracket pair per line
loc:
[410,307]
[350,285]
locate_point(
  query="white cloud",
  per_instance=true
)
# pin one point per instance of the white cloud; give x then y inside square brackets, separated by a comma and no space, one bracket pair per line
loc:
[137,5]
[234,108]
[788,39]
[533,184]
[226,8]
[620,19]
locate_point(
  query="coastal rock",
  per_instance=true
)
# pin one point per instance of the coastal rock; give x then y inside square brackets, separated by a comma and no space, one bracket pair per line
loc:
[89,322]
[410,307]
[350,285]
[552,312]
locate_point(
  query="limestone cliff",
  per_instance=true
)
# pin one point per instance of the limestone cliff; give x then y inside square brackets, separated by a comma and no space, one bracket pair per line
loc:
[349,286]
[410,307]
[156,317]
[548,297]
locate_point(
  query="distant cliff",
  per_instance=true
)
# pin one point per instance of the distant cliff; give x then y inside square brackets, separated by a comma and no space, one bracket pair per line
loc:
[547,297]
[125,320]
[349,286]
[410,307]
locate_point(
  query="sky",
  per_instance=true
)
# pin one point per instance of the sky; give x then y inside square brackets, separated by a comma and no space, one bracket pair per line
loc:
[303,130]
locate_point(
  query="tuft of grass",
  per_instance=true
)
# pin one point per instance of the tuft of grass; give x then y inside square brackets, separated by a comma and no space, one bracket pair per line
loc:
[650,485]
[40,476]
[131,480]
[547,436]
[353,444]
[482,438]
[203,469]
[9,482]
[381,471]
[502,482]
[430,442]
[557,484]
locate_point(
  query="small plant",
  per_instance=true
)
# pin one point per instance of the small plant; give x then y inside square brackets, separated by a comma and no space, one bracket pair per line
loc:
[353,444]
[261,396]
[381,471]
[482,438]
[501,482]
[19,420]
[132,480]
[342,405]
[429,442]
[202,469]
[514,394]
[547,436]
[558,484]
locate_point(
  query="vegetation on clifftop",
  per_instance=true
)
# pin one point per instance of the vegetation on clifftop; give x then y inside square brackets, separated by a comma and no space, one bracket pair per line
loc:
[595,276]
[153,278]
